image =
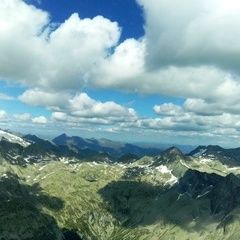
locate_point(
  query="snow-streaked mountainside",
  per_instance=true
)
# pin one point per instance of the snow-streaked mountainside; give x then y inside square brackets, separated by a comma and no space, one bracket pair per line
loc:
[63,192]
[13,138]
[214,152]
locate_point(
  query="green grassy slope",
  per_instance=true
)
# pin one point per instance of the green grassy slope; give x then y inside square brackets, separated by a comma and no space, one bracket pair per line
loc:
[138,201]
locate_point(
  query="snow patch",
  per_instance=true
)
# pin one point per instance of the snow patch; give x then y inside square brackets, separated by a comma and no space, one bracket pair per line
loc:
[13,138]
[172,180]
[206,160]
[184,164]
[163,169]
[200,152]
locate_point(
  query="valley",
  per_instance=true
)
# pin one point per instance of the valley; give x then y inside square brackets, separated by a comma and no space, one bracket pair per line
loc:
[59,195]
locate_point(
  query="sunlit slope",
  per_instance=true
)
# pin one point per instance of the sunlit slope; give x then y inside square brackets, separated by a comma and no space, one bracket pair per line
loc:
[166,197]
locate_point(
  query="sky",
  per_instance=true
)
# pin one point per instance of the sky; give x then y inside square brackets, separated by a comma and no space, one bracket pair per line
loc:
[133,70]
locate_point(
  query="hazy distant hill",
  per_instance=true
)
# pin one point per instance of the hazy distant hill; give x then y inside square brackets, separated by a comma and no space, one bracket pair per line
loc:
[116,149]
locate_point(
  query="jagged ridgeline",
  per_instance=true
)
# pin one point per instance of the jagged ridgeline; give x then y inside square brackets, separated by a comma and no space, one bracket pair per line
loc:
[67,189]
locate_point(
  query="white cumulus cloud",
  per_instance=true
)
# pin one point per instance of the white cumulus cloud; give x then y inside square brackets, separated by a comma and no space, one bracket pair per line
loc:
[38,53]
[40,120]
[3,115]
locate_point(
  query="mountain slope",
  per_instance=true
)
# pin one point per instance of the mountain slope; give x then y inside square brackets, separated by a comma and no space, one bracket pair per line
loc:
[13,138]
[229,157]
[168,196]
[164,197]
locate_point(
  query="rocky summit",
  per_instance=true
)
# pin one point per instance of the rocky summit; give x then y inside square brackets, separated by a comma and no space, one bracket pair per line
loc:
[52,192]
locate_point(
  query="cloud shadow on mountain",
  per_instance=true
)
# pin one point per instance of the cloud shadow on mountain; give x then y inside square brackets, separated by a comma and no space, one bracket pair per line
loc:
[196,198]
[21,211]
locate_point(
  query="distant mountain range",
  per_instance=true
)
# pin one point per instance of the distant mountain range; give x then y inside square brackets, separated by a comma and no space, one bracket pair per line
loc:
[32,148]
[113,148]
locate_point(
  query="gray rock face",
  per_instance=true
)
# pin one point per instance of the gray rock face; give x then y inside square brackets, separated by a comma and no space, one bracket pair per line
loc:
[223,192]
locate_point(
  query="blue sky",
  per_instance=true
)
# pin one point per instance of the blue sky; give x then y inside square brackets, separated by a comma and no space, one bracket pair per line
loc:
[127,13]
[129,70]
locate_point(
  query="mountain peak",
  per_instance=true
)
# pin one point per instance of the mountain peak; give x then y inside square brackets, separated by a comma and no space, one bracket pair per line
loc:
[205,150]
[63,135]
[214,148]
[61,139]
[173,151]
[169,156]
